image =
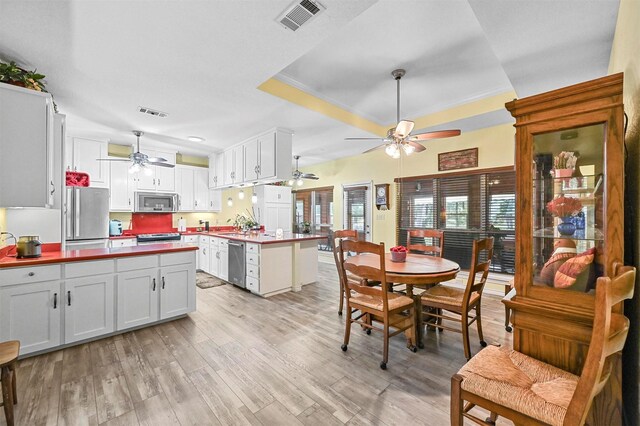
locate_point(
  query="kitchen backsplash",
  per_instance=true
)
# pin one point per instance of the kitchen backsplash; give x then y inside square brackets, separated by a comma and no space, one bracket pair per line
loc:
[166,220]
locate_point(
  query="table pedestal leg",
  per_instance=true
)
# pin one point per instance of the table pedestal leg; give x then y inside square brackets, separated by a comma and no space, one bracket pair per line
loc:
[418,315]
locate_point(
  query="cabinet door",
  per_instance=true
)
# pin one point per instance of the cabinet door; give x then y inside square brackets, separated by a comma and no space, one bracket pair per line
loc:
[88,307]
[184,187]
[201,189]
[137,298]
[229,167]
[267,166]
[238,159]
[214,261]
[122,186]
[285,217]
[177,290]
[212,171]
[215,200]
[251,160]
[85,159]
[219,170]
[165,176]
[271,217]
[223,266]
[204,255]
[31,313]
[147,182]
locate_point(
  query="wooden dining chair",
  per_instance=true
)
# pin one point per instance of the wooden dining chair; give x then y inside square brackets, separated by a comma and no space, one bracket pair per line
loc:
[528,391]
[434,249]
[374,304]
[9,352]
[440,300]
[337,236]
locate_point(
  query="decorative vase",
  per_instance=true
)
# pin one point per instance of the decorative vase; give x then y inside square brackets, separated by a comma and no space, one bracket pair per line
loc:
[567,227]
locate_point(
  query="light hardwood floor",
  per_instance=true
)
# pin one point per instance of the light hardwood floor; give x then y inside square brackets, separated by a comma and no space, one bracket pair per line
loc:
[244,360]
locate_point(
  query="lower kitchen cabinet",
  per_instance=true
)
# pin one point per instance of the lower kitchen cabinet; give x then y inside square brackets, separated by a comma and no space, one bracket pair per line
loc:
[223,266]
[137,298]
[31,313]
[177,292]
[88,307]
[204,254]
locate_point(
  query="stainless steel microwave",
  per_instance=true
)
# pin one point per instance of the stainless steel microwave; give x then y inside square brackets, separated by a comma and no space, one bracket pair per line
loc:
[155,202]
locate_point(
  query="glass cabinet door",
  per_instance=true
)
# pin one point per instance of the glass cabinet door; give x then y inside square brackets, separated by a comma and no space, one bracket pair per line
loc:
[568,208]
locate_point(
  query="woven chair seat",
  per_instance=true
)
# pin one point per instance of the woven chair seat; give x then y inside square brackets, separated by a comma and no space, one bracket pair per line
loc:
[446,295]
[519,382]
[396,301]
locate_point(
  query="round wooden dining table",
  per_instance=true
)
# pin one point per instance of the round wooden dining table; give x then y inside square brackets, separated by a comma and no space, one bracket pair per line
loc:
[417,270]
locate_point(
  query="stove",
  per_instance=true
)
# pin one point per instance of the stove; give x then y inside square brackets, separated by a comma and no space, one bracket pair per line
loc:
[158,238]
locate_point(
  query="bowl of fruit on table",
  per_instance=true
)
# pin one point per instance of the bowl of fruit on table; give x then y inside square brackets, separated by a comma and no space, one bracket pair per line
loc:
[398,254]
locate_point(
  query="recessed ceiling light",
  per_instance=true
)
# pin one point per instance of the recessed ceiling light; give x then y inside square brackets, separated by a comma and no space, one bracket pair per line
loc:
[195,138]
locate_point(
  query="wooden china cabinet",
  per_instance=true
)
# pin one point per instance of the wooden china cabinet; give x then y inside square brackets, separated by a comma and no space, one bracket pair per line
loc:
[569,223]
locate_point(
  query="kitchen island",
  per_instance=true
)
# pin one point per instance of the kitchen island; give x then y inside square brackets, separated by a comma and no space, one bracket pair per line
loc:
[68,297]
[271,265]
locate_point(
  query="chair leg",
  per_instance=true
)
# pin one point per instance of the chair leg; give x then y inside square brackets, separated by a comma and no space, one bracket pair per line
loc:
[456,401]
[479,325]
[14,391]
[347,328]
[507,311]
[341,298]
[7,395]
[385,356]
[465,336]
[439,320]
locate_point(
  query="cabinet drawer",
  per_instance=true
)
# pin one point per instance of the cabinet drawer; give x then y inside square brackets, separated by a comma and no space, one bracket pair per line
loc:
[85,269]
[204,240]
[129,242]
[31,274]
[253,259]
[190,239]
[253,284]
[134,263]
[223,243]
[253,271]
[253,248]
[177,258]
[215,242]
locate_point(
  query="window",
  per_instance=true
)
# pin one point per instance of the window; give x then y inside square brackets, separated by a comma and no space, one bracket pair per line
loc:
[465,208]
[355,205]
[315,206]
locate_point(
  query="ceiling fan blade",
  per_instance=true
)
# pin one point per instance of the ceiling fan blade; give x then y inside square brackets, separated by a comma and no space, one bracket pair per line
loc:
[438,134]
[156,160]
[403,129]
[112,159]
[363,139]
[376,148]
[417,147]
[171,166]
[308,176]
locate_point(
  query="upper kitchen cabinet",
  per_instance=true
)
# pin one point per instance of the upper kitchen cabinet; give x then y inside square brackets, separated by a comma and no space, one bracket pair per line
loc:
[84,154]
[233,166]
[162,179]
[122,187]
[26,148]
[216,170]
[192,188]
[200,189]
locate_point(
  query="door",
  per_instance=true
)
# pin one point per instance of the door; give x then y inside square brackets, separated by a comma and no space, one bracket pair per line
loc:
[215,200]
[88,307]
[219,170]
[184,186]
[147,182]
[122,186]
[204,254]
[90,213]
[137,298]
[229,165]
[251,160]
[201,189]
[214,257]
[223,266]
[284,217]
[85,159]
[177,290]
[357,209]
[238,160]
[166,176]
[31,313]
[267,155]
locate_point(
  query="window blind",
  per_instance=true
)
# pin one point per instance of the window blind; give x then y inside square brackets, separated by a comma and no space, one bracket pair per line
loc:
[465,208]
[355,203]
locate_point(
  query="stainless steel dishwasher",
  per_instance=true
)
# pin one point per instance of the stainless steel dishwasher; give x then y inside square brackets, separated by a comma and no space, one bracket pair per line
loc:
[236,264]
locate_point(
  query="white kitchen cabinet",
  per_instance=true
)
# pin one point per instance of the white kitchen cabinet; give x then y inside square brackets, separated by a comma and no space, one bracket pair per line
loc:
[229,166]
[204,254]
[201,189]
[88,307]
[177,292]
[123,242]
[137,298]
[162,179]
[31,313]
[260,157]
[238,167]
[185,188]
[216,170]
[26,148]
[122,186]
[251,159]
[214,256]
[215,200]
[275,207]
[223,249]
[85,155]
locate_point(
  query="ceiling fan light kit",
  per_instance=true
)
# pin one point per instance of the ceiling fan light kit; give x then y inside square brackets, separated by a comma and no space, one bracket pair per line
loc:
[400,139]
[297,176]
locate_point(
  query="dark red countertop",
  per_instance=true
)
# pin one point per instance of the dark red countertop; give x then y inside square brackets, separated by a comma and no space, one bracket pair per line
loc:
[49,257]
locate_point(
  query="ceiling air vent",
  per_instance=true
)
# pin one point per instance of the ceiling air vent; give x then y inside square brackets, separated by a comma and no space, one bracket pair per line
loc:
[299,13]
[153,112]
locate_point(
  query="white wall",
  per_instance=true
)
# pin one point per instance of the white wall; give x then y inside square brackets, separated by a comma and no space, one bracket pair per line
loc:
[44,223]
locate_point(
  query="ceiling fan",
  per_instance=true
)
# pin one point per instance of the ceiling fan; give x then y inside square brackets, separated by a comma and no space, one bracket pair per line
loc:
[297,175]
[140,161]
[399,138]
